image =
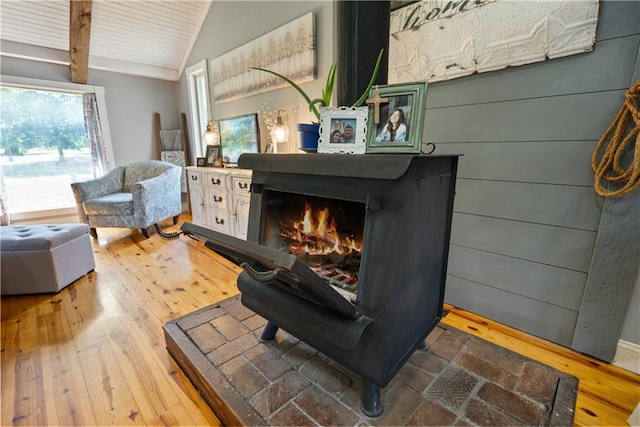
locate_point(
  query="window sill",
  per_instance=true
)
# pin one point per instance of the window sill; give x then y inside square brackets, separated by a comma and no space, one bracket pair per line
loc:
[49,216]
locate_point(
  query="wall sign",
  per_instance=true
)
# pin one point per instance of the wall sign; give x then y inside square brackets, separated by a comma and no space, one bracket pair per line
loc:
[422,12]
[437,40]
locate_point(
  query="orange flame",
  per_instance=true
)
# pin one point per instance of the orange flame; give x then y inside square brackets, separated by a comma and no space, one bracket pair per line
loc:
[317,234]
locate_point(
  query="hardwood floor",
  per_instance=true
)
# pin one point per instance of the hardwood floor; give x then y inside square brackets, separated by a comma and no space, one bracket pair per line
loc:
[94,354]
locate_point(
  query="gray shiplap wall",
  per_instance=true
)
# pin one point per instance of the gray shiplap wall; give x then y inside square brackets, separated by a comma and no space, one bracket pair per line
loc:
[526,216]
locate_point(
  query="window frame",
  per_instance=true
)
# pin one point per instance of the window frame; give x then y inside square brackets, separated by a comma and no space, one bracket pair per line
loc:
[72,88]
[194,72]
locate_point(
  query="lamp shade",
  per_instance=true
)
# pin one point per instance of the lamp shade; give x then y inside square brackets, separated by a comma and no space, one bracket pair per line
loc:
[280,130]
[209,136]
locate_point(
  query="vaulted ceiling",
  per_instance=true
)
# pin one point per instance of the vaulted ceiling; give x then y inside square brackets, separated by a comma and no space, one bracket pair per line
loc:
[151,38]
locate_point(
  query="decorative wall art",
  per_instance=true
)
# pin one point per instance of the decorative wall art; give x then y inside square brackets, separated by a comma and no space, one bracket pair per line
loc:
[238,135]
[288,50]
[343,130]
[437,40]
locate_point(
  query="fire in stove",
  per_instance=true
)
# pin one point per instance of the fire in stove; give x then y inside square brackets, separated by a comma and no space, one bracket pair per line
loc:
[324,234]
[316,233]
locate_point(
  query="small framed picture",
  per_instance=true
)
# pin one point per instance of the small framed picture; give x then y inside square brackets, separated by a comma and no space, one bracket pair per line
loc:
[212,154]
[269,148]
[343,130]
[201,161]
[396,118]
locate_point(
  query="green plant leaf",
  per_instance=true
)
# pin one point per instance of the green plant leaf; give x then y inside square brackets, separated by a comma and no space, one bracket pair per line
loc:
[365,95]
[327,92]
[314,109]
[296,87]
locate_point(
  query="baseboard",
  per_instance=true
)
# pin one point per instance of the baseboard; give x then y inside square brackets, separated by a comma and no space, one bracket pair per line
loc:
[627,356]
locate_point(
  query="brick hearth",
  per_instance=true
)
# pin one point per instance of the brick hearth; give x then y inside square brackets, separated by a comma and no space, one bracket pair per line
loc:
[461,380]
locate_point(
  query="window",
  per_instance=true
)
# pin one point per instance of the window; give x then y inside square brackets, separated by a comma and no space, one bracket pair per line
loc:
[43,144]
[199,101]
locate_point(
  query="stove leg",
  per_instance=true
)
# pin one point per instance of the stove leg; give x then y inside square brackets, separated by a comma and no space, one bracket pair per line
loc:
[424,346]
[370,399]
[268,332]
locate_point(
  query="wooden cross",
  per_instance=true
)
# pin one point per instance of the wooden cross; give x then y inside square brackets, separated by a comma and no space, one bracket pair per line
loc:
[376,101]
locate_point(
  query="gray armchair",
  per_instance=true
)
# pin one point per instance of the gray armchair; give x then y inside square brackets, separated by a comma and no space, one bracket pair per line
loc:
[133,196]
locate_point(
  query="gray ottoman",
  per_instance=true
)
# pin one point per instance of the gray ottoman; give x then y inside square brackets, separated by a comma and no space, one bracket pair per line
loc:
[43,258]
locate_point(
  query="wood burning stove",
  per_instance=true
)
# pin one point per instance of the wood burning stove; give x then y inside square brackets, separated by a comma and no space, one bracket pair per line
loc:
[348,253]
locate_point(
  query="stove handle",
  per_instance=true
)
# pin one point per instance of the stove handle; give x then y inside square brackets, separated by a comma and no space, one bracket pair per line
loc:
[265,277]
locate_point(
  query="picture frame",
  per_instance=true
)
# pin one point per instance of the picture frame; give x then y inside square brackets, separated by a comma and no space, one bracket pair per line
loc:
[406,102]
[201,161]
[349,124]
[238,135]
[212,154]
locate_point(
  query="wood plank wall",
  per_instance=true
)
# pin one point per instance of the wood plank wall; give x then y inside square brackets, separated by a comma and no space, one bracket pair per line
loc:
[526,216]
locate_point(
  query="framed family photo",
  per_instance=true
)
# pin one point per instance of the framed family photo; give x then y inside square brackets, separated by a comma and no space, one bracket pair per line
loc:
[212,154]
[396,118]
[343,130]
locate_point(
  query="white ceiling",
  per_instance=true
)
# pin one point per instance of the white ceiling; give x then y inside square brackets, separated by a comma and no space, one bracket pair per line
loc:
[151,38]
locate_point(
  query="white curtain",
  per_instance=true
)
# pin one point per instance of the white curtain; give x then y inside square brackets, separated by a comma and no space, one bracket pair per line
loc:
[99,156]
[4,206]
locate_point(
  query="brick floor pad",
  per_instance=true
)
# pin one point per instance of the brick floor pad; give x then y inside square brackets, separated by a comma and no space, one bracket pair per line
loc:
[461,380]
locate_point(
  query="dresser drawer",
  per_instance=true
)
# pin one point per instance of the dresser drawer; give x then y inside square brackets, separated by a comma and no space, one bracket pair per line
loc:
[195,178]
[241,184]
[216,180]
[219,221]
[217,198]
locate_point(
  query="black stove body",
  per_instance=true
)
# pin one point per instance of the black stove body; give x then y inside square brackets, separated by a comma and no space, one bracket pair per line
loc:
[400,207]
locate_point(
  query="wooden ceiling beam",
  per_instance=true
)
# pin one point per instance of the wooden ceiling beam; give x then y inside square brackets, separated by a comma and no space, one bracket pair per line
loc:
[79,36]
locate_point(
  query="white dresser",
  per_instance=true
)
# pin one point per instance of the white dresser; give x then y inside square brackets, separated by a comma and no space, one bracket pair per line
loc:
[220,199]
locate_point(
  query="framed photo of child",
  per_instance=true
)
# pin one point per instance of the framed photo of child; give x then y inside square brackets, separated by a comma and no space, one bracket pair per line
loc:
[396,116]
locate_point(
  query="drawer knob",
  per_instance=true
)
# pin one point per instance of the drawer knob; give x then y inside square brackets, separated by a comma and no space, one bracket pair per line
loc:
[217,199]
[243,185]
[216,181]
[219,221]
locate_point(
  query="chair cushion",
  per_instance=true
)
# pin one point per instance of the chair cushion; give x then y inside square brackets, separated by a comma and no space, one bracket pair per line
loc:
[39,237]
[111,204]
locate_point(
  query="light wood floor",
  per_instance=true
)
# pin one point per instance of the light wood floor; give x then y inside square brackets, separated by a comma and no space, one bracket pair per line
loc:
[94,353]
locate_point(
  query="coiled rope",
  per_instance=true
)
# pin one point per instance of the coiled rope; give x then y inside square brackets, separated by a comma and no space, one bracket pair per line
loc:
[609,168]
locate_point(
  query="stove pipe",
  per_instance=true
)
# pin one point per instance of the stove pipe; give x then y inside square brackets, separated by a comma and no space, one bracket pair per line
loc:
[362,30]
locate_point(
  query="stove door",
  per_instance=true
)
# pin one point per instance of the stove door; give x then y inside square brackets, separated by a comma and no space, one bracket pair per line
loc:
[276,268]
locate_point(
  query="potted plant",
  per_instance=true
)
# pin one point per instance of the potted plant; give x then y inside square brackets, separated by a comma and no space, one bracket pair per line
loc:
[310,140]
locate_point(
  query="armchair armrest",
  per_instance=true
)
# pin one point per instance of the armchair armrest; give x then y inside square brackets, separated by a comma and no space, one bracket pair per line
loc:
[157,198]
[107,184]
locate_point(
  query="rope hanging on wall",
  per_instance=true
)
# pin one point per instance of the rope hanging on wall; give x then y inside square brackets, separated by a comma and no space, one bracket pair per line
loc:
[609,169]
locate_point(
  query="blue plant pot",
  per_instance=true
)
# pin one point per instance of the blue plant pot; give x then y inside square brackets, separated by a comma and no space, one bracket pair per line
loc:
[309,135]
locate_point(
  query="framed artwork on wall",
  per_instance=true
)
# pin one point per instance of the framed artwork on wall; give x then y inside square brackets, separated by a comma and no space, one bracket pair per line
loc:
[396,118]
[343,130]
[238,135]
[288,49]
